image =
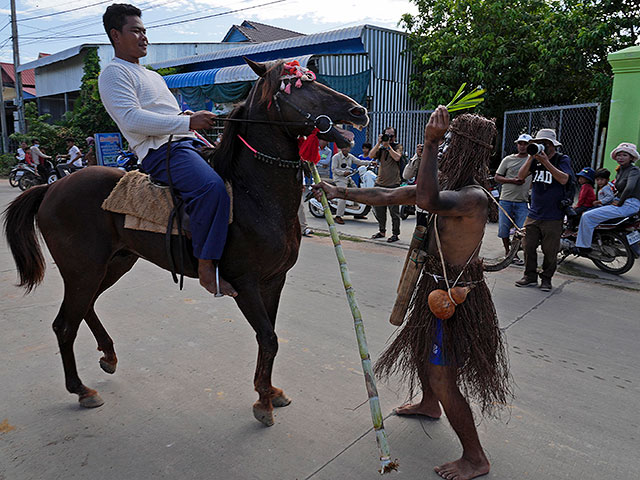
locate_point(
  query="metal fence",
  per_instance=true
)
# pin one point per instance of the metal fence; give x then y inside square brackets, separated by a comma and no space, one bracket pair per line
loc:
[576,127]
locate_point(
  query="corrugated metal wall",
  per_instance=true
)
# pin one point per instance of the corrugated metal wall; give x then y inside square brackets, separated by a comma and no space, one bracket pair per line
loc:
[388,94]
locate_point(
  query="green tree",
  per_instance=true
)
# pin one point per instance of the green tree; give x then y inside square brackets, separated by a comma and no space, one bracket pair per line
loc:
[524,52]
[89,115]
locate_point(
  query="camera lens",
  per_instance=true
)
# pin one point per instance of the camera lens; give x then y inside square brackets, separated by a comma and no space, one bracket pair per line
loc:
[535,148]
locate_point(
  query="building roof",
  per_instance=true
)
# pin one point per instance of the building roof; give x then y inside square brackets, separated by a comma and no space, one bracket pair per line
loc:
[9,76]
[255,32]
[345,40]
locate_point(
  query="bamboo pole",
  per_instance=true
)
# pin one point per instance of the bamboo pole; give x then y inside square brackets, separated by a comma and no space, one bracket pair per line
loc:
[386,464]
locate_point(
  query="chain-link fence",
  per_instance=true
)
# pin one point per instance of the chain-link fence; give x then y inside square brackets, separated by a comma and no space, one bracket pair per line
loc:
[576,127]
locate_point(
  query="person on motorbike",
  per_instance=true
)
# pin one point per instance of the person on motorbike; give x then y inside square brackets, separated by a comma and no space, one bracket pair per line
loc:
[38,158]
[21,154]
[341,170]
[628,202]
[74,155]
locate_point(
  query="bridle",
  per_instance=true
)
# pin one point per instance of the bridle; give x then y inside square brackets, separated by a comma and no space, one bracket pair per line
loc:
[321,123]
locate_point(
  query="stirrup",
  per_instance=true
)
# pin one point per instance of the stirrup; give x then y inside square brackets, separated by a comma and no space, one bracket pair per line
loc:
[218,293]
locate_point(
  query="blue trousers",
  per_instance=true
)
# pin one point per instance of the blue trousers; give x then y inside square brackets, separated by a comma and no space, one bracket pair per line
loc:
[596,216]
[201,188]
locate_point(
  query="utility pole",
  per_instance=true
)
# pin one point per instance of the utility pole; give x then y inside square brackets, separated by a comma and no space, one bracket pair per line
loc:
[3,119]
[16,64]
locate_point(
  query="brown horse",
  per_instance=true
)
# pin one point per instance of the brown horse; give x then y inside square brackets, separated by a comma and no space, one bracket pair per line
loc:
[262,243]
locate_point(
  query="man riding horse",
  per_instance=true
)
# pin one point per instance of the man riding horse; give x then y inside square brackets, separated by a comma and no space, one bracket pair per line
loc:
[147,114]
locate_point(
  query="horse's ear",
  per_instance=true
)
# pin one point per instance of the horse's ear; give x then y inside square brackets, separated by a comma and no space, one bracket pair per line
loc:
[259,68]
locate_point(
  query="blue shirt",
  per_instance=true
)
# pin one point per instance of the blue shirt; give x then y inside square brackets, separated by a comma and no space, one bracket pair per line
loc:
[546,192]
[324,165]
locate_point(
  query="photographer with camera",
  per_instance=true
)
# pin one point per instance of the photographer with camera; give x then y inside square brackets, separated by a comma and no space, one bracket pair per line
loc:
[388,154]
[341,169]
[550,195]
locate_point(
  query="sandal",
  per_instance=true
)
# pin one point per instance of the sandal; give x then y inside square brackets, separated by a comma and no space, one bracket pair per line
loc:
[378,235]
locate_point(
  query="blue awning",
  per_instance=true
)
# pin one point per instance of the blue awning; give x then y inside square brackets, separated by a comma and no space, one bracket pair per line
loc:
[214,76]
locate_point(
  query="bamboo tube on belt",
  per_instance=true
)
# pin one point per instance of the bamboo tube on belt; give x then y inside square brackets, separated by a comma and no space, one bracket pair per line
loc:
[416,242]
[408,283]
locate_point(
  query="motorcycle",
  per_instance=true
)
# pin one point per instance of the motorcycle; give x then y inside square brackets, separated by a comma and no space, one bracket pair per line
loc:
[30,176]
[615,244]
[127,161]
[16,172]
[367,180]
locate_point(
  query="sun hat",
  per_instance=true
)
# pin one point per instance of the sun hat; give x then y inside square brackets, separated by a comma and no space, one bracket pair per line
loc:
[525,137]
[547,134]
[588,173]
[629,148]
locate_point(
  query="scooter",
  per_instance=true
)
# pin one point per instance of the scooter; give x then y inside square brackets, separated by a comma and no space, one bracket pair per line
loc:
[16,172]
[367,179]
[615,244]
[127,161]
[31,177]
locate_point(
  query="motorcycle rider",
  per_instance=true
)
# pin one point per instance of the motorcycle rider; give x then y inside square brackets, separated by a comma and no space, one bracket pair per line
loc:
[38,158]
[340,168]
[628,186]
[74,155]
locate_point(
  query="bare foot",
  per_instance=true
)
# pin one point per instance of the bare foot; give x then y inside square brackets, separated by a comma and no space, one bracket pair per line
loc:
[207,277]
[428,409]
[463,469]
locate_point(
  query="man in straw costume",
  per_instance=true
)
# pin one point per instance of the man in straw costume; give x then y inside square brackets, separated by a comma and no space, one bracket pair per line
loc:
[465,351]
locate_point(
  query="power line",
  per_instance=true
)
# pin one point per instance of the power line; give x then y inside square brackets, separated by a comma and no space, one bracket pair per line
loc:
[218,14]
[64,11]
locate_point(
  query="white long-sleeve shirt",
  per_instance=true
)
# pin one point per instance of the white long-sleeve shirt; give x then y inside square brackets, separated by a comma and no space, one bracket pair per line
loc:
[142,106]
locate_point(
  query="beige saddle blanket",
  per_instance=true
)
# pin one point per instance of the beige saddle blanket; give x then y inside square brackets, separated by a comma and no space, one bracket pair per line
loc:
[146,206]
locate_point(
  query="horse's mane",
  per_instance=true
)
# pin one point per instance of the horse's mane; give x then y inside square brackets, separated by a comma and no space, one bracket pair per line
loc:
[223,159]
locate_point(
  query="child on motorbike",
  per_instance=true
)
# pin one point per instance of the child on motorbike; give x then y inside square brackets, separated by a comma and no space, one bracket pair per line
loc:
[606,189]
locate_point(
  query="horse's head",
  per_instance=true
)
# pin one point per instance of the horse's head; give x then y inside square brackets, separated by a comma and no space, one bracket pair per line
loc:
[293,97]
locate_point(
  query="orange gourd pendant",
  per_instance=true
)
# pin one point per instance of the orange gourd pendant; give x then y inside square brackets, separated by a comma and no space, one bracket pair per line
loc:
[443,304]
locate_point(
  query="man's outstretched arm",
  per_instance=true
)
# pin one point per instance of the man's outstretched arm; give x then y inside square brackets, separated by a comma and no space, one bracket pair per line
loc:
[369,196]
[428,194]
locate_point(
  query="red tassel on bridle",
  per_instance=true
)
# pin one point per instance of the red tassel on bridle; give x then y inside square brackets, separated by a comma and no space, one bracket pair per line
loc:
[308,147]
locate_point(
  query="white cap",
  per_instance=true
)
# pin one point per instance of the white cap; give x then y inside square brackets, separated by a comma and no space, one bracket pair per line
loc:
[525,137]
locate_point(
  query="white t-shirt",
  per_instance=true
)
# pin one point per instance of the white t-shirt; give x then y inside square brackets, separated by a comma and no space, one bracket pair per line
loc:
[75,156]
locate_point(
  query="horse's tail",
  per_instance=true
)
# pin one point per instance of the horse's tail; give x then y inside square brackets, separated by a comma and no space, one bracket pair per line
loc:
[20,230]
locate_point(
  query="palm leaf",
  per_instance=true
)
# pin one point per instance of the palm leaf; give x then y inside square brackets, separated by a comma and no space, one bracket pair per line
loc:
[470,100]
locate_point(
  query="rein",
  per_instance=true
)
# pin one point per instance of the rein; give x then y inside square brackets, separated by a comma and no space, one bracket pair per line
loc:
[263,157]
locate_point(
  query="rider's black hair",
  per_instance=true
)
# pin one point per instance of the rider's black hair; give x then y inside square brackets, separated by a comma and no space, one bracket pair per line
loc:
[366,145]
[116,17]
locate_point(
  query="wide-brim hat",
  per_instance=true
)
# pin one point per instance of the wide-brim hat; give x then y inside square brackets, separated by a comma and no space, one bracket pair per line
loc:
[525,137]
[547,134]
[629,148]
[588,173]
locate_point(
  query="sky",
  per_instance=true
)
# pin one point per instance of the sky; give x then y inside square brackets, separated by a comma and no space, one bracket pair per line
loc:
[58,28]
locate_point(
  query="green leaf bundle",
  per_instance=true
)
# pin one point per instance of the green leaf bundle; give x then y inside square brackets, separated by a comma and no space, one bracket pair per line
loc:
[470,100]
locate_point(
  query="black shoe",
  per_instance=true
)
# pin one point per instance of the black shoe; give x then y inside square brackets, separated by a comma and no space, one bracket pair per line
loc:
[378,235]
[545,284]
[527,282]
[360,217]
[392,238]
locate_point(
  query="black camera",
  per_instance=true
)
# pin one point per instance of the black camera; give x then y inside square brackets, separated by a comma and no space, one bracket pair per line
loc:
[385,137]
[343,165]
[535,148]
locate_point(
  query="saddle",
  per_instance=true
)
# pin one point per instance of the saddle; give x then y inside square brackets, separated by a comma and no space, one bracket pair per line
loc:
[147,204]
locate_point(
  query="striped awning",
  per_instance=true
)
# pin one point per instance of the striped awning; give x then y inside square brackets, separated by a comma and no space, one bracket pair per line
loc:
[236,73]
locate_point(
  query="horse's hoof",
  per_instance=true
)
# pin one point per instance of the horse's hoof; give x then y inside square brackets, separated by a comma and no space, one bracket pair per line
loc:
[108,367]
[91,400]
[281,400]
[263,416]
